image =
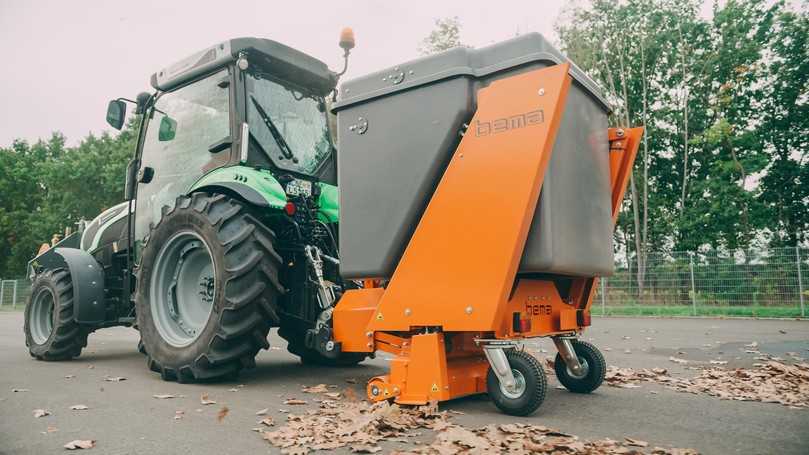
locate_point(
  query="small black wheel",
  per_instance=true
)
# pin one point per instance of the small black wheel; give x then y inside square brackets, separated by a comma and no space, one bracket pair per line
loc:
[593,363]
[50,331]
[529,391]
[308,356]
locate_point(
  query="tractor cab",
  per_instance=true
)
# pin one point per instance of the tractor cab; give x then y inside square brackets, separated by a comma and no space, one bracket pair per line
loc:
[247,117]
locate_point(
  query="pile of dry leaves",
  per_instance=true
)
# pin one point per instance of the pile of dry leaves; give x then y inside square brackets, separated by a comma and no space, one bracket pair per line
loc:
[361,426]
[769,382]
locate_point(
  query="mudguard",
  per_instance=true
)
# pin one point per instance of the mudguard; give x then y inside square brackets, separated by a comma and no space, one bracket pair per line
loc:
[87,276]
[257,187]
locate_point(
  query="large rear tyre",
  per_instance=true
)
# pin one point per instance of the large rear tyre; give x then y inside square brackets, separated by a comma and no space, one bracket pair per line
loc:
[50,331]
[207,289]
[530,390]
[593,363]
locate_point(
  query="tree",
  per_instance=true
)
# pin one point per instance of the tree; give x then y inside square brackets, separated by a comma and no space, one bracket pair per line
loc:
[446,35]
[47,187]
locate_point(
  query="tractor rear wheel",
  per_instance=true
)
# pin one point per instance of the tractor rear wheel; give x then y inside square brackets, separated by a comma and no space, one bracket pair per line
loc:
[50,331]
[207,289]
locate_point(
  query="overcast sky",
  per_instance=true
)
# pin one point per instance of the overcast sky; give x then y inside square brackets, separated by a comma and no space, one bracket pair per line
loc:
[63,60]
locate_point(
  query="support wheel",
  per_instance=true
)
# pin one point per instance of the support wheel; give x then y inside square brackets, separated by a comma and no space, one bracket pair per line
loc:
[309,356]
[593,363]
[50,331]
[529,391]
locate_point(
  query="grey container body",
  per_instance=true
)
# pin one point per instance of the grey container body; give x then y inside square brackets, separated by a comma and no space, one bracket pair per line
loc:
[398,129]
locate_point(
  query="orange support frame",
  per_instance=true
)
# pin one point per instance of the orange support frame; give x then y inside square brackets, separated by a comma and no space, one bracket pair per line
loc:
[446,292]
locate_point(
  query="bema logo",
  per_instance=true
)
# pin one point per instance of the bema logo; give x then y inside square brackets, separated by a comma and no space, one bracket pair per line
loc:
[501,125]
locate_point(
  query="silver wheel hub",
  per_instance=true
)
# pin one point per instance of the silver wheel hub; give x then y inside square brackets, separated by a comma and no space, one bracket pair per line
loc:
[183,288]
[585,369]
[518,389]
[40,317]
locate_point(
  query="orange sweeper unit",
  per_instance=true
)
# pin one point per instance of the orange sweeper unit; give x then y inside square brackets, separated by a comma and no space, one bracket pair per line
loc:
[494,254]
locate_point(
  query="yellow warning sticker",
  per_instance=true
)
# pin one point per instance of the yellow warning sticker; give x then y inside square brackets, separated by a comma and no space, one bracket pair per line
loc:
[379,316]
[435,387]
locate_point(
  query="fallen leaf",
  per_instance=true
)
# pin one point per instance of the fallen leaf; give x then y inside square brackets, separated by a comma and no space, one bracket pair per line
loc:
[320,388]
[351,381]
[268,421]
[333,395]
[51,429]
[164,396]
[90,367]
[41,413]
[203,399]
[114,378]
[294,402]
[719,362]
[636,442]
[263,412]
[80,444]
[222,414]
[79,407]
[178,415]
[678,360]
[365,448]
[782,332]
[19,390]
[70,376]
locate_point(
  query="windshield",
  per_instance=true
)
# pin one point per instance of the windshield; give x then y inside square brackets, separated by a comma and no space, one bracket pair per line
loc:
[288,124]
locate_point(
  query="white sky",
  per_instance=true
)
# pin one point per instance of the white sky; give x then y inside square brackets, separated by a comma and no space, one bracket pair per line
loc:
[63,60]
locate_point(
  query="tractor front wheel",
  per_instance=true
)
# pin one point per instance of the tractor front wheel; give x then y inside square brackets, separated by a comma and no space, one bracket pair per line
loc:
[207,289]
[50,330]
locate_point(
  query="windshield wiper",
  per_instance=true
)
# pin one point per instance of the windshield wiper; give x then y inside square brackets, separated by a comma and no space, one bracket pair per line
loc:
[286,152]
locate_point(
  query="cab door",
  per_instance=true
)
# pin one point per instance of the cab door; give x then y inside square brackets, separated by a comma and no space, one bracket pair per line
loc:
[187,137]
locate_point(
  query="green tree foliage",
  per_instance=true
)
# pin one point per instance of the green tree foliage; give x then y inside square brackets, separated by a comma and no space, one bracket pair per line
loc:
[445,36]
[46,187]
[725,104]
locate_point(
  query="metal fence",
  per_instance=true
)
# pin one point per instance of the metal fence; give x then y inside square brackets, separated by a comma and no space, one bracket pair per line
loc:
[686,282]
[14,293]
[773,278]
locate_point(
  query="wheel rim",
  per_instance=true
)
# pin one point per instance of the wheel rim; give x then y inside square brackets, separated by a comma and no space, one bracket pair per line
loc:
[182,288]
[519,386]
[585,370]
[41,316]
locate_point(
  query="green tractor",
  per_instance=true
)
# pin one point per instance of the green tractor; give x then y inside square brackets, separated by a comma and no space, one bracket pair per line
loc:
[229,225]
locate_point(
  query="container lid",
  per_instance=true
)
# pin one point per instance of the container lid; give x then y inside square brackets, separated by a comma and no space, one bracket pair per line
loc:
[477,63]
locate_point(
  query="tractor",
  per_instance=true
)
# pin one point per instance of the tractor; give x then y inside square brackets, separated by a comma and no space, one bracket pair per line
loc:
[439,246]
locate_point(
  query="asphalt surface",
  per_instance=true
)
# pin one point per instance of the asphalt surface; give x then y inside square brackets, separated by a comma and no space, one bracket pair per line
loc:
[124,418]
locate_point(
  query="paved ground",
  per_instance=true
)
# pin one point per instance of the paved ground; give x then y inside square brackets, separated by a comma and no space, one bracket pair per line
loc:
[125,419]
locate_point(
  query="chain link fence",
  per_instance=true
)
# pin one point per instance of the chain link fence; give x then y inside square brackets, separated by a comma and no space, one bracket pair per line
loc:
[756,283]
[759,283]
[14,293]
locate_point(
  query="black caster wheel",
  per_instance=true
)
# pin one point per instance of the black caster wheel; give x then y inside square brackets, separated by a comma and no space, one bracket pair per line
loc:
[529,391]
[593,364]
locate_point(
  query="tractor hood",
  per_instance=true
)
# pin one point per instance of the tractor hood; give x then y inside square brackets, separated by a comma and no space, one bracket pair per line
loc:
[278,59]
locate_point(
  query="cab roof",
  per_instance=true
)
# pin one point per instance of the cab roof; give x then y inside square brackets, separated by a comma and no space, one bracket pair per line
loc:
[275,58]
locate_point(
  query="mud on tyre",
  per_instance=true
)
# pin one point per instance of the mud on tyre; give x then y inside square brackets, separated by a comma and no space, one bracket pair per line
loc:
[207,289]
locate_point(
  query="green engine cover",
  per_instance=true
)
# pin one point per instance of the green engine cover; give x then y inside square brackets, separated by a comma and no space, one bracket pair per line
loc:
[260,187]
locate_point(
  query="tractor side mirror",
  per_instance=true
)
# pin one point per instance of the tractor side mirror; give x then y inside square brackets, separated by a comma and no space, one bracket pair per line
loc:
[116,112]
[168,129]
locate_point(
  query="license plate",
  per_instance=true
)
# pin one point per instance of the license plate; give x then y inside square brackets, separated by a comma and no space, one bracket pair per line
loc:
[299,188]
